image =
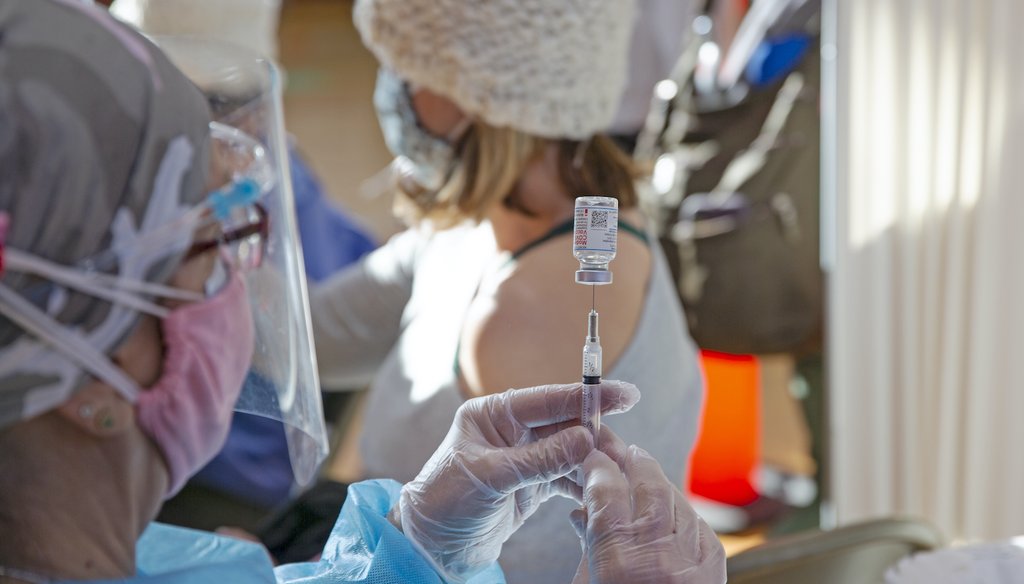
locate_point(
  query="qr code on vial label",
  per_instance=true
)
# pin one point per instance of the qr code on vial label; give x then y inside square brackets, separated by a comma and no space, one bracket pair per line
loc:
[599,219]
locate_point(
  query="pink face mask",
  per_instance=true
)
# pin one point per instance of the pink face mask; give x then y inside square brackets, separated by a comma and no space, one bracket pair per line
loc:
[188,411]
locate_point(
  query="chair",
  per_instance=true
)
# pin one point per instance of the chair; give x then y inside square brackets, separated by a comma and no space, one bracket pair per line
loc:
[852,554]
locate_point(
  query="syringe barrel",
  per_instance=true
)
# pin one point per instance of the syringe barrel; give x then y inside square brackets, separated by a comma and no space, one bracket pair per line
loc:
[591,361]
[590,417]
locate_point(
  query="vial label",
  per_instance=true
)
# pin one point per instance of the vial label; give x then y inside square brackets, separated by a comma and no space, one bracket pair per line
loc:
[596,229]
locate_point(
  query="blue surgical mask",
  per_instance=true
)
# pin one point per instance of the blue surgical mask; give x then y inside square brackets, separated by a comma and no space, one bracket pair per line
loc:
[427,158]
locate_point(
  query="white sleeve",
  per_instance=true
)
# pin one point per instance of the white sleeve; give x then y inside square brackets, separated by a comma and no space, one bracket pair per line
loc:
[357,314]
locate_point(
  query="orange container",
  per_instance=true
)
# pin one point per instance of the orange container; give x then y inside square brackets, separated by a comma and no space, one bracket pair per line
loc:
[728,445]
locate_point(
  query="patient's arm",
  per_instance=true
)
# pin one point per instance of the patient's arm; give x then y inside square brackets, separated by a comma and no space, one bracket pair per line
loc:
[357,313]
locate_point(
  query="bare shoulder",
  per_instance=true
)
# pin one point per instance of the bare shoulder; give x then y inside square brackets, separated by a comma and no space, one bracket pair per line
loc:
[526,327]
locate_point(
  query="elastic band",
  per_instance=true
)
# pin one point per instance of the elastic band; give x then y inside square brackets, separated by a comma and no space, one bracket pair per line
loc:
[456,133]
[66,340]
[581,151]
[71,278]
[144,287]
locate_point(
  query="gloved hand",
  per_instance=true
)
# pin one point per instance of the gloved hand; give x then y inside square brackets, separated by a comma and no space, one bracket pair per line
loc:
[636,525]
[504,455]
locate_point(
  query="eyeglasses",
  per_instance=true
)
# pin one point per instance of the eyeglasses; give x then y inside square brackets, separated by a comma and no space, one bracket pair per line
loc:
[245,241]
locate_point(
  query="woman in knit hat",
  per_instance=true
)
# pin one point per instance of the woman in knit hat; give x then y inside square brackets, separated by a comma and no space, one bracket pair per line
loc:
[123,350]
[496,113]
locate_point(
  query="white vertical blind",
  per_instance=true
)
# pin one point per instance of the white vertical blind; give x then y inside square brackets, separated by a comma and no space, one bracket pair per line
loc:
[927,274]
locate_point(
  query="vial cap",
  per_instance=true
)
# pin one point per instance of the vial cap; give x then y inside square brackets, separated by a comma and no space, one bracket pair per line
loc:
[593,277]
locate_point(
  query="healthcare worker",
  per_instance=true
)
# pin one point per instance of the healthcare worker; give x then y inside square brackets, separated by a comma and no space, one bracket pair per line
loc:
[139,245]
[252,474]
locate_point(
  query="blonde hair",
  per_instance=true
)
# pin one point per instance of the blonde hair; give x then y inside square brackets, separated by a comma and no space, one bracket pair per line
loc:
[491,162]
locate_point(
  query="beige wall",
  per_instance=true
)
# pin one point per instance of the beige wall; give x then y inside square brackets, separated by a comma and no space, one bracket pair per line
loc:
[328,104]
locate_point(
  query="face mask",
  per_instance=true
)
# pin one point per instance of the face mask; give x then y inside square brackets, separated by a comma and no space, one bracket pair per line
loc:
[208,353]
[425,157]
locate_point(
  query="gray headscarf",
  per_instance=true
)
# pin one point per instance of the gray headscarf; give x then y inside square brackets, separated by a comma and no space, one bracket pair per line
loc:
[101,138]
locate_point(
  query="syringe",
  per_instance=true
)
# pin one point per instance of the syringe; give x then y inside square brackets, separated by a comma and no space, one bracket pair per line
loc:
[595,238]
[591,415]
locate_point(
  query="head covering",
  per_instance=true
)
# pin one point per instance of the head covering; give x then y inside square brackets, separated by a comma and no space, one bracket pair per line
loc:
[251,24]
[552,68]
[101,138]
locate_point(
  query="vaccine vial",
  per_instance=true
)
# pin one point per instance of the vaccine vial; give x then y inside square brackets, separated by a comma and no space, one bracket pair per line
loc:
[595,237]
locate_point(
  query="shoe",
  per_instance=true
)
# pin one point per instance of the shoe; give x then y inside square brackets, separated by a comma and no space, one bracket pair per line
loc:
[792,489]
[779,494]
[721,517]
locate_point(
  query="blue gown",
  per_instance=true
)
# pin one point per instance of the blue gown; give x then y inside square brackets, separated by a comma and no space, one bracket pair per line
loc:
[364,548]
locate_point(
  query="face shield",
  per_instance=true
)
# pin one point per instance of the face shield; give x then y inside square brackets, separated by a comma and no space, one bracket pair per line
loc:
[245,98]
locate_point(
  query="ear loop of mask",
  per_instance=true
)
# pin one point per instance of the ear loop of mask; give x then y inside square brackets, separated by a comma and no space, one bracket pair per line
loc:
[580,154]
[104,286]
[460,129]
[70,342]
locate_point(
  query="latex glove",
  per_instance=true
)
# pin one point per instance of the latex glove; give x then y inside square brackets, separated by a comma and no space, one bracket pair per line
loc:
[504,455]
[637,526]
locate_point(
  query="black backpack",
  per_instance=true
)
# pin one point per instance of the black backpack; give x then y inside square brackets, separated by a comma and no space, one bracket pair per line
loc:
[735,198]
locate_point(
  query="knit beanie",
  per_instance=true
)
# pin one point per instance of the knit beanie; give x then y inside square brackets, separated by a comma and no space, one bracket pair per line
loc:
[551,68]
